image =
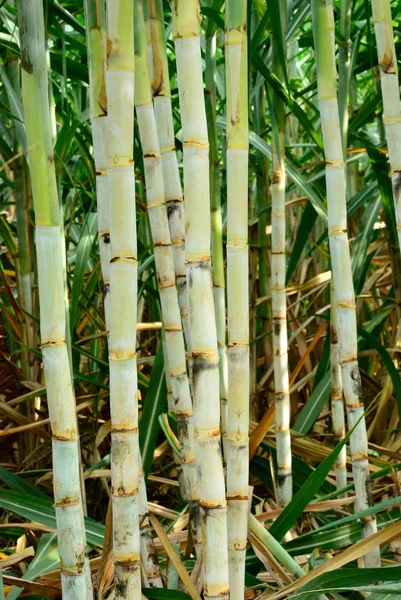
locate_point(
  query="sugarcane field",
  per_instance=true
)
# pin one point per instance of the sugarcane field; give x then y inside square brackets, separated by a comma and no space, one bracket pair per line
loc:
[200,299]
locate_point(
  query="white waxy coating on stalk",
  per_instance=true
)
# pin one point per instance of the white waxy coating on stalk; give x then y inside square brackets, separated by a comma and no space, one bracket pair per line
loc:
[60,396]
[387,59]
[211,486]
[322,15]
[237,443]
[181,402]
[278,283]
[96,40]
[123,300]
[165,129]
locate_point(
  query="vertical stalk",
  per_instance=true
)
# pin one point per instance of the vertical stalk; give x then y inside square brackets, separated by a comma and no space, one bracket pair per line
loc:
[96,40]
[237,292]
[123,298]
[278,264]
[262,195]
[23,258]
[344,74]
[216,222]
[337,403]
[171,174]
[323,22]
[186,34]
[157,210]
[60,395]
[391,96]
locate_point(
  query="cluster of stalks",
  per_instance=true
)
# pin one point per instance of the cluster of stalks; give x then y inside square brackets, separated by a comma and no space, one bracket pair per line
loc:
[208,376]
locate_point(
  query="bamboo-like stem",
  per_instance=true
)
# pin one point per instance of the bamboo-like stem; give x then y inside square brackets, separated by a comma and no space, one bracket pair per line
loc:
[171,174]
[237,293]
[278,269]
[262,193]
[60,395]
[337,403]
[123,298]
[147,545]
[24,276]
[344,74]
[96,40]
[387,59]
[323,24]
[217,223]
[157,210]
[186,34]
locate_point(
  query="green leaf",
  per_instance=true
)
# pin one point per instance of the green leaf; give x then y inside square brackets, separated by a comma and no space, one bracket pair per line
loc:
[88,236]
[374,343]
[293,173]
[153,407]
[18,484]
[41,511]
[292,104]
[313,406]
[362,242]
[295,508]
[16,109]
[159,594]
[305,227]
[8,237]
[348,579]
[46,557]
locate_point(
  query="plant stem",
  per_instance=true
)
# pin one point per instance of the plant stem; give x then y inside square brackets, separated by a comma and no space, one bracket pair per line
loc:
[123,299]
[186,34]
[387,59]
[238,295]
[278,268]
[157,210]
[60,395]
[323,26]
[216,222]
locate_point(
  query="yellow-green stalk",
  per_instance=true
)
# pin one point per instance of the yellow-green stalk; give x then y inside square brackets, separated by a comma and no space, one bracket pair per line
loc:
[157,210]
[387,59]
[323,24]
[60,395]
[186,34]
[123,298]
[219,286]
[237,293]
[96,40]
[278,271]
[171,174]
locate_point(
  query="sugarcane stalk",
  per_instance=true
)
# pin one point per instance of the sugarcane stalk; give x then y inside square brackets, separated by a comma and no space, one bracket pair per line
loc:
[323,23]
[123,298]
[157,210]
[96,40]
[60,395]
[186,34]
[336,395]
[219,290]
[278,273]
[237,292]
[171,174]
[387,59]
